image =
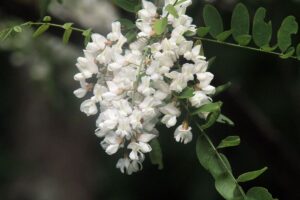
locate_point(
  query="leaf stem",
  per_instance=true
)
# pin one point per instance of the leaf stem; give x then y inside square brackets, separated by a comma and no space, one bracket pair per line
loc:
[243,47]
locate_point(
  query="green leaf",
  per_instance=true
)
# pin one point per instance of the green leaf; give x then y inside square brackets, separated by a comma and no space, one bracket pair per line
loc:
[219,167]
[298,52]
[156,154]
[244,40]
[202,31]
[126,24]
[240,21]
[267,48]
[225,120]
[223,36]
[67,33]
[87,36]
[172,10]
[289,53]
[186,93]
[67,26]
[249,176]
[211,119]
[288,27]
[43,28]
[213,19]
[180,2]
[210,107]
[262,31]
[230,141]
[47,19]
[259,193]
[131,36]
[211,61]
[5,34]
[129,5]
[160,25]
[222,88]
[17,29]
[44,4]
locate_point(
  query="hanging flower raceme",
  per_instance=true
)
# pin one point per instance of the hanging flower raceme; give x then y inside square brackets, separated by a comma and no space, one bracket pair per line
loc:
[131,86]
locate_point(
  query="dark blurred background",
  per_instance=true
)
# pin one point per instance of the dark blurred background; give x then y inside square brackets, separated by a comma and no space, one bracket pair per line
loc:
[47,147]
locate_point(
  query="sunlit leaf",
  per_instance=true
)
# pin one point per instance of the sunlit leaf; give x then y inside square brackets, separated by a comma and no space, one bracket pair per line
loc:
[243,40]
[172,10]
[213,19]
[87,36]
[186,93]
[156,154]
[248,176]
[223,36]
[202,31]
[290,52]
[288,27]
[262,31]
[240,22]
[230,141]
[160,25]
[18,29]
[42,29]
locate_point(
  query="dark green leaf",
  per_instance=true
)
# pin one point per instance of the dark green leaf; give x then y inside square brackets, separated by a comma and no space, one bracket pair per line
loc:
[219,167]
[211,119]
[160,25]
[43,28]
[186,93]
[223,36]
[262,31]
[18,29]
[230,141]
[87,36]
[288,27]
[225,120]
[126,24]
[202,31]
[222,88]
[211,107]
[259,193]
[129,5]
[131,36]
[290,52]
[249,176]
[213,19]
[244,40]
[240,21]
[172,10]
[156,154]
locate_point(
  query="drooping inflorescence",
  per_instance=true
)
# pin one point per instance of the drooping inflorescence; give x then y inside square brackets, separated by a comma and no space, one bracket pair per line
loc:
[131,86]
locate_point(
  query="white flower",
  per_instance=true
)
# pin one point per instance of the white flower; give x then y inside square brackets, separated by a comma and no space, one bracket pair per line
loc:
[112,143]
[89,107]
[171,113]
[205,80]
[183,134]
[199,99]
[194,55]
[128,166]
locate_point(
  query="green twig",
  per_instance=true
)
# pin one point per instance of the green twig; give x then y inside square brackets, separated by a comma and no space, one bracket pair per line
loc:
[243,47]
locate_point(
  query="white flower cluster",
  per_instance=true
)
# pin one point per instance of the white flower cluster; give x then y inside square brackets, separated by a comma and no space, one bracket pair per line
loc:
[131,85]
